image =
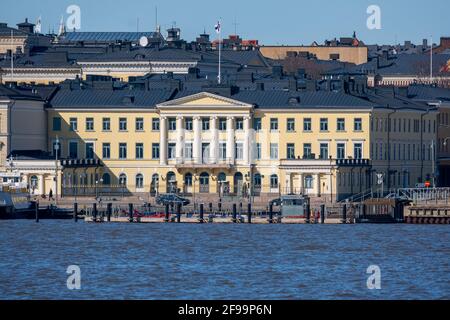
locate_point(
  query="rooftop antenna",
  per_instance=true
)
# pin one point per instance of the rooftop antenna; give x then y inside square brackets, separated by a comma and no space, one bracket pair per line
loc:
[137,24]
[235,24]
[156,17]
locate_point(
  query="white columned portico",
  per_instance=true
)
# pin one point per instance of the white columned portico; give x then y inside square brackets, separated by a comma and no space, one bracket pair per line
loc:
[180,136]
[163,141]
[197,146]
[214,152]
[230,140]
[247,140]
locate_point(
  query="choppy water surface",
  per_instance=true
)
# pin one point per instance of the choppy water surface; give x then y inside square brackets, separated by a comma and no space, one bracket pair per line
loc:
[169,261]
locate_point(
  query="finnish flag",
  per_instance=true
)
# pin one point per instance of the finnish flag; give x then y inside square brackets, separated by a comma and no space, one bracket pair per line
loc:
[217,27]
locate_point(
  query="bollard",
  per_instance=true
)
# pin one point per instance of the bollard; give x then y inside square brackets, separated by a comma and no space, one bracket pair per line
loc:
[210,207]
[108,211]
[167,217]
[271,213]
[94,212]
[201,220]
[322,214]
[308,213]
[220,206]
[75,212]
[344,214]
[36,208]
[234,213]
[178,212]
[130,212]
[249,210]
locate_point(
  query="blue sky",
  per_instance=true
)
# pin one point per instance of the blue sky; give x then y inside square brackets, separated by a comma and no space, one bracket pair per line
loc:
[271,22]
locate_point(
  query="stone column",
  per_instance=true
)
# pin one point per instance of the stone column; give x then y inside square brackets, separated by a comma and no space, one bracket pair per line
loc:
[41,184]
[214,151]
[163,141]
[247,140]
[318,186]
[197,145]
[230,140]
[180,140]
[300,183]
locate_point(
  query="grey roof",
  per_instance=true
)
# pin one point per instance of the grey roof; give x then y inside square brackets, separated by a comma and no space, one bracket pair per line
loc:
[108,98]
[106,36]
[18,93]
[49,59]
[428,93]
[294,100]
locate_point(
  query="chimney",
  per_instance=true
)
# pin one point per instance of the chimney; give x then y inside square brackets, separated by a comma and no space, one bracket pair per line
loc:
[445,43]
[425,43]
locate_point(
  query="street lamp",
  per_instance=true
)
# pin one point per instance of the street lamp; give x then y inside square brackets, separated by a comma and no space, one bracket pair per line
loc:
[56,169]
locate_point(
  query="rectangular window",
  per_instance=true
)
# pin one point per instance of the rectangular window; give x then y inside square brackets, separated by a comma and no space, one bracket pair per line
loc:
[106,151]
[340,148]
[257,124]
[171,151]
[189,124]
[222,151]
[56,124]
[358,124]
[324,151]
[357,151]
[122,150]
[340,124]
[205,124]
[73,124]
[73,150]
[307,151]
[188,154]
[290,125]
[239,151]
[106,124]
[139,124]
[139,151]
[239,124]
[155,124]
[89,124]
[222,124]
[307,124]
[172,122]
[323,124]
[122,124]
[89,150]
[274,124]
[155,151]
[258,151]
[274,151]
[290,151]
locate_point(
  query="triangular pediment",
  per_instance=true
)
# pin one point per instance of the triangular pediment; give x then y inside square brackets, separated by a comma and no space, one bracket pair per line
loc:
[204,99]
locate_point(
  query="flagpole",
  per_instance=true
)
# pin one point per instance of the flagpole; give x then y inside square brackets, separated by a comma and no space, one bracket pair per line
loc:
[12,55]
[431,62]
[220,53]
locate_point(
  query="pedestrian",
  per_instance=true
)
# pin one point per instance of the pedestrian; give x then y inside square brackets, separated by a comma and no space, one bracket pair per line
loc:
[50,195]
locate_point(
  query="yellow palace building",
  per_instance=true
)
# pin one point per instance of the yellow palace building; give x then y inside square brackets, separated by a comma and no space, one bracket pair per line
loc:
[222,140]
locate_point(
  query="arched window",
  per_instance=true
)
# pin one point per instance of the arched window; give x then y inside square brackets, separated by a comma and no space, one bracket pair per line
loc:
[34,182]
[106,179]
[309,182]
[188,179]
[171,182]
[123,179]
[238,182]
[139,181]
[204,182]
[273,181]
[222,177]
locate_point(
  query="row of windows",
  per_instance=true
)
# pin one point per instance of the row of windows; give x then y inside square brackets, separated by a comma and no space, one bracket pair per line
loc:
[402,125]
[239,151]
[401,151]
[205,124]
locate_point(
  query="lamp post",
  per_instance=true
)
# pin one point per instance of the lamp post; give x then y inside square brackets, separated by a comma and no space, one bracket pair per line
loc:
[56,169]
